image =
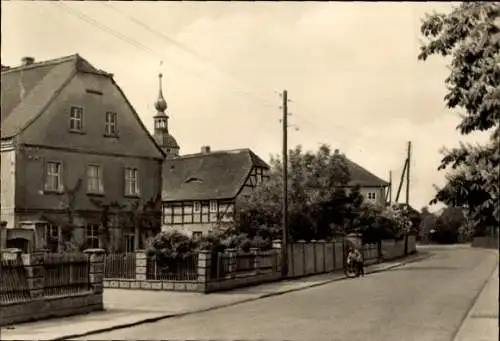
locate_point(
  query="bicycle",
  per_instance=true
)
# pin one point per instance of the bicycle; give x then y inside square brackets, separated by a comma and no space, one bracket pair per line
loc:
[351,270]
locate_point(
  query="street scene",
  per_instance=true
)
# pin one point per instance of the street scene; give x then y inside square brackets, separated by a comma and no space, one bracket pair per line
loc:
[250,171]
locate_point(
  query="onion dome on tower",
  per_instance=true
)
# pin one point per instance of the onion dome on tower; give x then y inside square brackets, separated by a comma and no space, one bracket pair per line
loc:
[161,135]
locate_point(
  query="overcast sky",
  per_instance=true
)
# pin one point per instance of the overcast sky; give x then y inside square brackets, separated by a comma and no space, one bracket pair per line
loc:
[351,71]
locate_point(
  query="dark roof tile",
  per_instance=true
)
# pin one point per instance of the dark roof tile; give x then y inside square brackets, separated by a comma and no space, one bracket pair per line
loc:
[362,177]
[26,90]
[205,176]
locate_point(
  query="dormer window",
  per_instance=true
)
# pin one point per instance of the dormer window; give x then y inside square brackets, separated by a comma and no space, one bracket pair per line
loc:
[76,119]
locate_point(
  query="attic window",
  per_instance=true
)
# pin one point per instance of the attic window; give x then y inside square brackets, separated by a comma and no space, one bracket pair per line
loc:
[192,179]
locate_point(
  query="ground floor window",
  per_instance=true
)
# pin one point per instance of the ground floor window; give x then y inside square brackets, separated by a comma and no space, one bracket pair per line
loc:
[129,242]
[92,235]
[52,237]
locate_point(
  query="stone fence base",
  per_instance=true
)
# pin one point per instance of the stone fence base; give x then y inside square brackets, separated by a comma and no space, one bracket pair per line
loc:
[50,307]
[135,284]
[242,281]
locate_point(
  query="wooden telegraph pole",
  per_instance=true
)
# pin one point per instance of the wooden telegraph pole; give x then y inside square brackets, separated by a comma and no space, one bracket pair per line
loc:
[284,246]
[408,160]
[408,176]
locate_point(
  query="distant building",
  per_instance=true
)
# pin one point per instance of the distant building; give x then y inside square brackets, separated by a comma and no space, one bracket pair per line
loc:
[372,188]
[65,123]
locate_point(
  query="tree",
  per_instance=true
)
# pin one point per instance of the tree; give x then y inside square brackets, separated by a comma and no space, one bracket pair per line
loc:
[67,205]
[448,225]
[139,214]
[314,189]
[470,35]
[427,224]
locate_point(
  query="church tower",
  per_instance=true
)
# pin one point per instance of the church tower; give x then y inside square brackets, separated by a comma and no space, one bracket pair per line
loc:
[166,141]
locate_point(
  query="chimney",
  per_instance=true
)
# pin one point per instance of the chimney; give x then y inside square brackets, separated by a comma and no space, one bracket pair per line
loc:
[25,61]
[205,149]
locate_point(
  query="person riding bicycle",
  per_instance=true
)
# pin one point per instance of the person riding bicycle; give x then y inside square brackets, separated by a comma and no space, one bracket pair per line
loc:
[354,257]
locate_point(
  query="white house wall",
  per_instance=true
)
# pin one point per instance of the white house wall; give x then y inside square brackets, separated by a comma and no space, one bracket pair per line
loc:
[8,186]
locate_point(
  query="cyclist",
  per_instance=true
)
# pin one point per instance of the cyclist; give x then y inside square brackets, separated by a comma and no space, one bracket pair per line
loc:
[359,262]
[354,257]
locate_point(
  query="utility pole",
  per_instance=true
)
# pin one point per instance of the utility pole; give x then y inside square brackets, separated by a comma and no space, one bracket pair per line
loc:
[390,187]
[408,162]
[401,181]
[284,246]
[408,175]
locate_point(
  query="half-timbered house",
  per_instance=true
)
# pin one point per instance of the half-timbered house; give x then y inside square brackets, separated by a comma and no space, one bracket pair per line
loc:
[199,190]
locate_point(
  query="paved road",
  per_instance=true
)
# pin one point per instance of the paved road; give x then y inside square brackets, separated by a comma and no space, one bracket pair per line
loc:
[422,301]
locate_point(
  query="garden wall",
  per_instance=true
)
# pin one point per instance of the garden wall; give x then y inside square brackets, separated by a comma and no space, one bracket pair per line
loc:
[41,285]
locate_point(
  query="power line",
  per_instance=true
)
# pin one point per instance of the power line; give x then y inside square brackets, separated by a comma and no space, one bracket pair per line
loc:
[141,46]
[178,44]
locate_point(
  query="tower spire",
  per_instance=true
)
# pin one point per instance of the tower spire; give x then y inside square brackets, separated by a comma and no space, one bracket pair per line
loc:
[161,134]
[160,104]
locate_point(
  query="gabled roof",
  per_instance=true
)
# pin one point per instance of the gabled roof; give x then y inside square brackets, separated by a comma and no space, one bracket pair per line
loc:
[27,90]
[362,177]
[205,176]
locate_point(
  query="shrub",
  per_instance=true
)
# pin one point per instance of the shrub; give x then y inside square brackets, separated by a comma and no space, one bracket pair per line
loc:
[211,242]
[261,243]
[170,247]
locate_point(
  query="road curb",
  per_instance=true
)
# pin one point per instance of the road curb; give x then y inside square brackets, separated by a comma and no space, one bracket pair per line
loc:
[469,310]
[415,257]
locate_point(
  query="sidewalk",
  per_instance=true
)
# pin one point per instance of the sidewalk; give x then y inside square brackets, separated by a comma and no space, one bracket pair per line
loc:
[481,323]
[126,308]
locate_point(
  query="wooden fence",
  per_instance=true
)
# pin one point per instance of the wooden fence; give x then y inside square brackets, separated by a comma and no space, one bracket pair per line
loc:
[41,284]
[206,271]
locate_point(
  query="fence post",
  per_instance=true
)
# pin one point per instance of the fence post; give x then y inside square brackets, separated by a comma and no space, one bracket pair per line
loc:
[256,260]
[96,269]
[277,248]
[204,267]
[232,262]
[323,252]
[314,243]
[35,273]
[140,265]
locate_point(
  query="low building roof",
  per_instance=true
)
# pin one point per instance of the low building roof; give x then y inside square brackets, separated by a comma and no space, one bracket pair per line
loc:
[208,176]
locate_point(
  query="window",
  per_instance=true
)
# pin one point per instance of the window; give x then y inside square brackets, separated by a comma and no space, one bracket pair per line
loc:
[196,207]
[371,195]
[167,214]
[92,235]
[94,179]
[131,181]
[129,242]
[76,119]
[197,235]
[51,237]
[111,124]
[213,206]
[53,181]
[161,123]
